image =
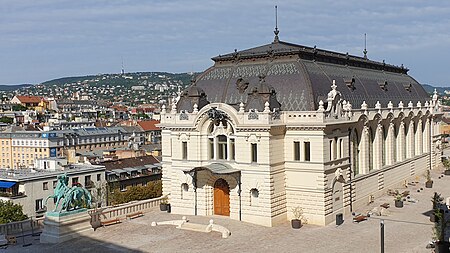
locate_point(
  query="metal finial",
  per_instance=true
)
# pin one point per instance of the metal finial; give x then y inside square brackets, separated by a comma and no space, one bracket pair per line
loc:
[123,69]
[365,46]
[276,39]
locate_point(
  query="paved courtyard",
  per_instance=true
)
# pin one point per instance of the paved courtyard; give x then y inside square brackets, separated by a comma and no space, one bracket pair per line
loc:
[406,230]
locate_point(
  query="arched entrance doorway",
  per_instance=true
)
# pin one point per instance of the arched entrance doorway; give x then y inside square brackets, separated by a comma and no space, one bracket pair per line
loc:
[221,197]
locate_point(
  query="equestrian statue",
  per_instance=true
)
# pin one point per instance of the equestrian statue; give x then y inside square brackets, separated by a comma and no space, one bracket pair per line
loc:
[71,198]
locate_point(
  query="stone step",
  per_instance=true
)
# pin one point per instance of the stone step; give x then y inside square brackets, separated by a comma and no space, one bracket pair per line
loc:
[195,227]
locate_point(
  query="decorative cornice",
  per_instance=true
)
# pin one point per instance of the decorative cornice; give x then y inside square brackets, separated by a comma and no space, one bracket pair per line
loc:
[306,128]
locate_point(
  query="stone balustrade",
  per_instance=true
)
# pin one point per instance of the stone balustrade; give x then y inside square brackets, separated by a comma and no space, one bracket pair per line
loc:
[120,212]
[21,226]
[346,112]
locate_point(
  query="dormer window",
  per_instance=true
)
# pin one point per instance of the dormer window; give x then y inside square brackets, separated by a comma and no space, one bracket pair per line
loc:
[350,82]
[383,85]
[408,87]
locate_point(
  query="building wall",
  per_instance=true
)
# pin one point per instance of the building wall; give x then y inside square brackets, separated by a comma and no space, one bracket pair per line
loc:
[353,157]
[35,190]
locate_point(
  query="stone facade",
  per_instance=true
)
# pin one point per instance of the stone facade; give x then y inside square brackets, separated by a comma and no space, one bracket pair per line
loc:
[292,138]
[302,158]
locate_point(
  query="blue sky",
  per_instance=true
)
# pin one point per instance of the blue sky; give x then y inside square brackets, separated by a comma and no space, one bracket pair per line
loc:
[47,39]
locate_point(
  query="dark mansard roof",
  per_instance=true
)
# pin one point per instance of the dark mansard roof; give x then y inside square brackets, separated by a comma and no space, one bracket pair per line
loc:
[295,78]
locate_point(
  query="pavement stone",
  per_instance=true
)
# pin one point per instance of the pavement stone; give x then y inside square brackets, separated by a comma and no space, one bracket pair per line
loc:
[407,229]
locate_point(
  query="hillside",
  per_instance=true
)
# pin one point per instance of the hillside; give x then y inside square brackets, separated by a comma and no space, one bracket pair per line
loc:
[128,88]
[430,89]
[13,87]
[127,79]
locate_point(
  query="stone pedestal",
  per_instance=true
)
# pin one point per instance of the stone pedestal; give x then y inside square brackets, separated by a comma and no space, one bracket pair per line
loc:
[60,227]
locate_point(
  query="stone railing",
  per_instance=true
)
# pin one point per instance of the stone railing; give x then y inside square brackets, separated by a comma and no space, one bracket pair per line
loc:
[120,212]
[21,226]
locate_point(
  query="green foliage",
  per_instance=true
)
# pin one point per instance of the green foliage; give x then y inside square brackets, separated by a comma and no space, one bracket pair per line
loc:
[437,200]
[10,212]
[151,190]
[446,163]
[6,120]
[428,175]
[142,116]
[440,226]
[19,108]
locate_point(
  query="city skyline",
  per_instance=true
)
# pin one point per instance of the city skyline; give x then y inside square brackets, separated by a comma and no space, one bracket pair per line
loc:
[51,39]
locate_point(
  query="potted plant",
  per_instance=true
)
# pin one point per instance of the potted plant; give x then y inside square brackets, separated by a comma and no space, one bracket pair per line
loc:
[398,200]
[446,163]
[429,182]
[296,222]
[440,245]
[437,203]
[163,204]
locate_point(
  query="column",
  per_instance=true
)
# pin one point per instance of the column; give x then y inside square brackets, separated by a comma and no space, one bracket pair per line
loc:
[378,148]
[364,151]
[419,138]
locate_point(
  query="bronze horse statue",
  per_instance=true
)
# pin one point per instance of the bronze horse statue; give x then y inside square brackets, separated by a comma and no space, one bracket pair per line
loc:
[73,198]
[60,190]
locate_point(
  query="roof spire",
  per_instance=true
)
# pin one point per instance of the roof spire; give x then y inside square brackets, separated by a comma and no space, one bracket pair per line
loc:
[123,69]
[276,39]
[365,46]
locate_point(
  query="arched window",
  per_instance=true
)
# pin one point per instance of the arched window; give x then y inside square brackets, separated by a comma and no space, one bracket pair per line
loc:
[331,150]
[355,153]
[371,147]
[222,147]
[383,147]
[254,197]
[184,190]
[221,142]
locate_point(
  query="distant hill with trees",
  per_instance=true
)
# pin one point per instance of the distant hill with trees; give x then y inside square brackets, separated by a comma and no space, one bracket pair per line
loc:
[430,89]
[127,79]
[8,87]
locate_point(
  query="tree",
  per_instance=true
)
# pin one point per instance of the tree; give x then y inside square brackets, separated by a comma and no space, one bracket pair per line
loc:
[19,108]
[10,212]
[153,189]
[6,120]
[142,116]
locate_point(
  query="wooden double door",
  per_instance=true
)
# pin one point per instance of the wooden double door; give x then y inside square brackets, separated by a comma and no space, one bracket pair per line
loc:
[221,197]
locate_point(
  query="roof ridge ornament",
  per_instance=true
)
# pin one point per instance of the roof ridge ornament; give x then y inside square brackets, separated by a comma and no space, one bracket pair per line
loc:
[365,46]
[276,32]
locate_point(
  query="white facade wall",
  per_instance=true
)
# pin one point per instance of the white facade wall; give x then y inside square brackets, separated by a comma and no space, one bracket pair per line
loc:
[333,180]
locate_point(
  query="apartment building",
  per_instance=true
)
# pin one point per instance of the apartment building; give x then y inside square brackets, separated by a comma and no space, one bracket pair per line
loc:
[20,148]
[30,188]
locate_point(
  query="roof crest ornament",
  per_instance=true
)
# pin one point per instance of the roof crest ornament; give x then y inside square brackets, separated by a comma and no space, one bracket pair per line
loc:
[276,32]
[365,46]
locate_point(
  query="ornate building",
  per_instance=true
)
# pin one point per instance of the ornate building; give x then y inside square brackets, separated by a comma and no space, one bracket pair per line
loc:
[281,126]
